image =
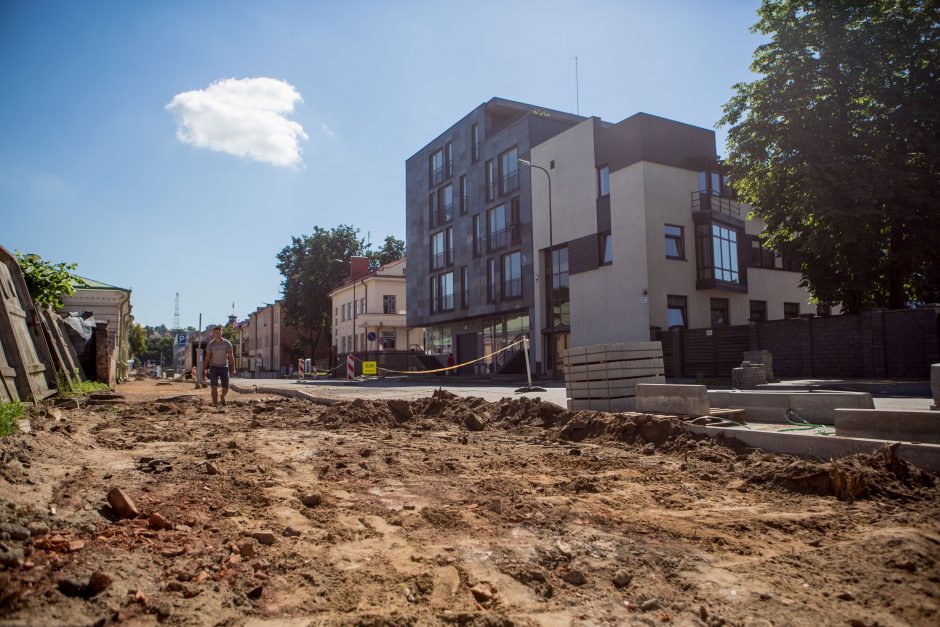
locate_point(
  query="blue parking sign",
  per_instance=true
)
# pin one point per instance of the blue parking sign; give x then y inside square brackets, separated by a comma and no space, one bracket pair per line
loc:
[181,339]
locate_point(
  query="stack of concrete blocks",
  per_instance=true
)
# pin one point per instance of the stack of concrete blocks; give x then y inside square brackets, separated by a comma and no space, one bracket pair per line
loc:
[748,376]
[764,358]
[672,399]
[604,377]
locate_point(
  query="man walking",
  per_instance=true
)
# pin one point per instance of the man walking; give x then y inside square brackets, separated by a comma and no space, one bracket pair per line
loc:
[219,354]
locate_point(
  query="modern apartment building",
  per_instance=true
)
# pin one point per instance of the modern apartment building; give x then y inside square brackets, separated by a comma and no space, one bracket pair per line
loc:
[371,304]
[646,233]
[469,231]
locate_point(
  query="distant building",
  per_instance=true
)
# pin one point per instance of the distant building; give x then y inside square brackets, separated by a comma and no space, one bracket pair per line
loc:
[111,305]
[372,304]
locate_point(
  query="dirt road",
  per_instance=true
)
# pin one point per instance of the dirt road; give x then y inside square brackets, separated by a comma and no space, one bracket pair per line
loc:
[445,511]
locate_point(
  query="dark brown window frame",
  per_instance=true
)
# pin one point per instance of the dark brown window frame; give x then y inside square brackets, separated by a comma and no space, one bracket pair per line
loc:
[601,237]
[793,315]
[684,307]
[751,304]
[680,241]
[599,186]
[712,308]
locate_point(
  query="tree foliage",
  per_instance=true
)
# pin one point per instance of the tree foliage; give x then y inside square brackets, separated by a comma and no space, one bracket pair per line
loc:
[392,250]
[46,281]
[159,349]
[312,266]
[137,340]
[837,145]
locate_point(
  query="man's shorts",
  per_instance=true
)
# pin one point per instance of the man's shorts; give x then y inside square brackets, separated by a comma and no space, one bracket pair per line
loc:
[216,373]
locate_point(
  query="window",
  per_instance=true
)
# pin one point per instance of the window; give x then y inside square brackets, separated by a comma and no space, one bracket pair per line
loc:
[758,311]
[464,287]
[475,142]
[436,167]
[447,291]
[603,181]
[512,275]
[558,300]
[355,308]
[762,256]
[675,242]
[496,227]
[362,306]
[448,159]
[606,249]
[719,309]
[463,195]
[445,201]
[388,339]
[717,249]
[791,310]
[509,171]
[677,312]
[388,304]
[343,316]
[490,174]
[336,315]
[449,246]
[477,236]
[432,211]
[491,280]
[438,242]
[434,294]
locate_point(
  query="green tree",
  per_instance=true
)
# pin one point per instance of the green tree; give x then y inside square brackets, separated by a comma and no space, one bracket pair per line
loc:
[312,266]
[392,249]
[138,340]
[159,349]
[46,281]
[837,145]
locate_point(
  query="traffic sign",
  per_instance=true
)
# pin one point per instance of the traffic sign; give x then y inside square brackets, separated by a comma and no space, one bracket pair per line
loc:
[369,367]
[371,336]
[181,339]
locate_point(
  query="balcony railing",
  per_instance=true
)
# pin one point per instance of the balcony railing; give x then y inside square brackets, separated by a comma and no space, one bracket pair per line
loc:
[496,240]
[509,182]
[705,201]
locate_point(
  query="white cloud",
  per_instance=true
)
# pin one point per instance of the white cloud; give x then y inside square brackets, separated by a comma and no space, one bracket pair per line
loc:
[245,117]
[326,130]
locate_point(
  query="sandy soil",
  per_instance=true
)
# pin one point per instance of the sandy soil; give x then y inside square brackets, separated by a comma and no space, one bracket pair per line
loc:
[445,511]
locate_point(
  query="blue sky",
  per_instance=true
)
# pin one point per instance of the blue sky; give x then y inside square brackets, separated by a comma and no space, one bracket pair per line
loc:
[92,171]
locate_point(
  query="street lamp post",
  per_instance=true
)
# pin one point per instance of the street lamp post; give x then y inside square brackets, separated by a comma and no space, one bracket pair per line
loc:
[551,261]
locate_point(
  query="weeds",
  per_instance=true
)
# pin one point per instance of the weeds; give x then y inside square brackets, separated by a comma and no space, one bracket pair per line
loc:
[9,414]
[65,390]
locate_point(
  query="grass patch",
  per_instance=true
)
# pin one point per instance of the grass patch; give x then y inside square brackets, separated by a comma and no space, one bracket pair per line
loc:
[9,414]
[82,387]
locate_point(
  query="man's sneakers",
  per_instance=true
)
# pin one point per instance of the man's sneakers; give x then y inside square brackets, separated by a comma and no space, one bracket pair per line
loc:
[222,402]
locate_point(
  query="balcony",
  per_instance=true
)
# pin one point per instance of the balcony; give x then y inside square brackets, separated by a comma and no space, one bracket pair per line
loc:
[707,205]
[502,238]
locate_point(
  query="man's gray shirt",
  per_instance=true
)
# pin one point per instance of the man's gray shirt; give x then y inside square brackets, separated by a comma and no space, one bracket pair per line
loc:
[217,352]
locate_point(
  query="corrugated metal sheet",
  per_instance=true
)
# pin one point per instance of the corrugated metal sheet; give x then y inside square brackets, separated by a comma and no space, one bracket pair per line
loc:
[582,254]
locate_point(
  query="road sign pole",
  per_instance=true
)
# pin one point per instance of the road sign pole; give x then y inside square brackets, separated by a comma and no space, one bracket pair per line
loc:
[199,367]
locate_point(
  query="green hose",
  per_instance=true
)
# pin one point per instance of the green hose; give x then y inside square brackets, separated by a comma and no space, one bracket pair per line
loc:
[800,424]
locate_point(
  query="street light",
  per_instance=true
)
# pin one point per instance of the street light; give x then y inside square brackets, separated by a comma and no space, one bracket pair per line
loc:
[551,259]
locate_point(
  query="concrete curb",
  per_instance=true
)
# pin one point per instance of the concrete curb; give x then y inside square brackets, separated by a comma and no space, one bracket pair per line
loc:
[926,456]
[288,393]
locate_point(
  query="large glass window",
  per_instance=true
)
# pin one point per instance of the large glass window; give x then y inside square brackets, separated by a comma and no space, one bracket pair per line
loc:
[509,171]
[677,312]
[719,311]
[462,190]
[388,339]
[434,295]
[437,341]
[603,181]
[438,242]
[559,300]
[675,242]
[491,280]
[717,249]
[512,275]
[496,228]
[448,159]
[464,287]
[436,167]
[447,291]
[499,333]
[449,246]
[445,201]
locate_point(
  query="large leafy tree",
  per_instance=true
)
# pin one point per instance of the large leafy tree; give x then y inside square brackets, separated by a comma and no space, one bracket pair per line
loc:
[311,266]
[138,340]
[392,250]
[837,145]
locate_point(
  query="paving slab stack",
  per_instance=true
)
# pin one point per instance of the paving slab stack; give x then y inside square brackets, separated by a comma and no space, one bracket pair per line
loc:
[604,377]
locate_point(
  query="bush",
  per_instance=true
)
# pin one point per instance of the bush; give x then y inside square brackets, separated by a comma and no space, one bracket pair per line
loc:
[9,414]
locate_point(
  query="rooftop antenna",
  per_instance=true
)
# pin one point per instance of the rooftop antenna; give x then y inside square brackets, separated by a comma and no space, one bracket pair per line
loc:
[577,88]
[176,313]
